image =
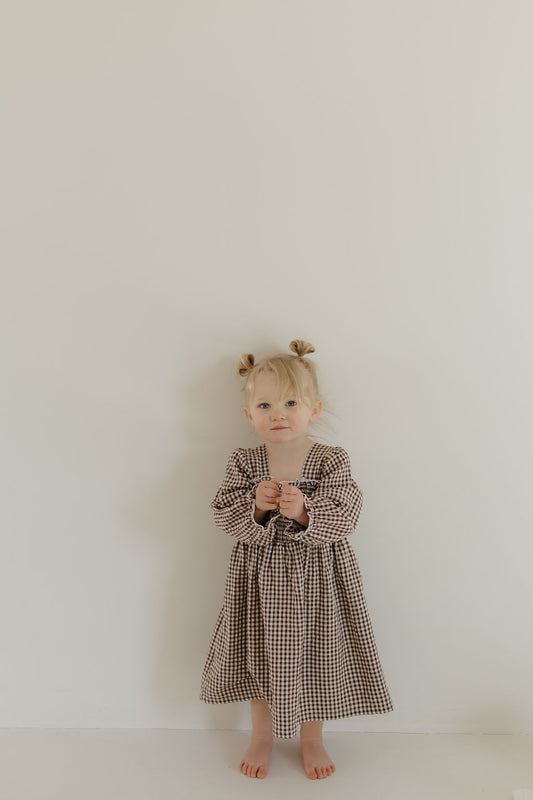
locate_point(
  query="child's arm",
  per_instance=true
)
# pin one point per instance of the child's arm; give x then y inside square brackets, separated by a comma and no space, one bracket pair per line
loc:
[334,508]
[235,508]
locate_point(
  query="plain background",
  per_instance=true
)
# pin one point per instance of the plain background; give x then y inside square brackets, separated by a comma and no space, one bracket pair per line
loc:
[186,181]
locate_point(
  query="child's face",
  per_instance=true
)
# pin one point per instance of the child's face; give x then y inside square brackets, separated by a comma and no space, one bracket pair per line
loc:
[278,419]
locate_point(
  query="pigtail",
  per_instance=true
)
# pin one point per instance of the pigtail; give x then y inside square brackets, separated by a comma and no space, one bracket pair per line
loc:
[246,364]
[301,348]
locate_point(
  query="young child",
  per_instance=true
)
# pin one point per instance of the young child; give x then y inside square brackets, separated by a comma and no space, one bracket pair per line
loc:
[294,636]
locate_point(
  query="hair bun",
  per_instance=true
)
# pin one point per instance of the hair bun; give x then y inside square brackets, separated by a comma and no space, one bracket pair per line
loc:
[246,364]
[301,348]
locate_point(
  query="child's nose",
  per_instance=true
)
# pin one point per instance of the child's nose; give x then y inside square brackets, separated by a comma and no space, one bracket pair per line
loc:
[277,413]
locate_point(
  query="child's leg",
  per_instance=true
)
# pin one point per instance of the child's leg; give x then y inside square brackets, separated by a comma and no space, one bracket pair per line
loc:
[317,763]
[255,760]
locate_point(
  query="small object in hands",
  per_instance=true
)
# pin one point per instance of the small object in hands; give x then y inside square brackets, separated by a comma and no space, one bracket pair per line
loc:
[522,794]
[289,483]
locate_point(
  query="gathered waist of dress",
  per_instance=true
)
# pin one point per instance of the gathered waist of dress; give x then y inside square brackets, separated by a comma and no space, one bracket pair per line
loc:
[281,536]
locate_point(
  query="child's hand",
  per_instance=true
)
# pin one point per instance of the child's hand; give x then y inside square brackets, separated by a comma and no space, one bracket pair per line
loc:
[291,503]
[267,495]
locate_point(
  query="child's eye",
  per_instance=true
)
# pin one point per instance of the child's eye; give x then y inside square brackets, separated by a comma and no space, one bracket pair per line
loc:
[291,403]
[264,405]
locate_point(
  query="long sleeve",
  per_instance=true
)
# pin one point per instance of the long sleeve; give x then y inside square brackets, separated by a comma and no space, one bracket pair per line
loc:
[335,505]
[234,504]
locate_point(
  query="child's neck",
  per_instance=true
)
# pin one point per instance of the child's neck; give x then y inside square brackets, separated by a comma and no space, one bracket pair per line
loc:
[286,460]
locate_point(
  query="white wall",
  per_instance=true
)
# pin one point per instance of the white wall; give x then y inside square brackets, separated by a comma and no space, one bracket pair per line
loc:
[186,181]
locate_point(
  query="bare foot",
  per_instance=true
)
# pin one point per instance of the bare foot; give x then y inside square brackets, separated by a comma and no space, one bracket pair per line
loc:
[255,761]
[317,762]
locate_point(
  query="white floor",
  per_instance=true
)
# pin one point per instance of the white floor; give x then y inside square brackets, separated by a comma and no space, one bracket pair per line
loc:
[164,764]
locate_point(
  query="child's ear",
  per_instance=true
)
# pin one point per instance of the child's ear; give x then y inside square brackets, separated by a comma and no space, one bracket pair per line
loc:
[247,413]
[317,408]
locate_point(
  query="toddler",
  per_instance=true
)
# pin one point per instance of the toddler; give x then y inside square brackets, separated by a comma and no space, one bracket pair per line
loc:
[294,636]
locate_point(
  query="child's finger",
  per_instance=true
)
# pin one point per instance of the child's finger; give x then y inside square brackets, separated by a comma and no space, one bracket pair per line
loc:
[290,491]
[269,486]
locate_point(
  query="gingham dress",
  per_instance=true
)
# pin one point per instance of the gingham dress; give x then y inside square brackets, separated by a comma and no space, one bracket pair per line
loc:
[294,628]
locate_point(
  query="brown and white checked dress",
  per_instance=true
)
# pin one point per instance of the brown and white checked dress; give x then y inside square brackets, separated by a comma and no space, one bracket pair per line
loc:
[294,628]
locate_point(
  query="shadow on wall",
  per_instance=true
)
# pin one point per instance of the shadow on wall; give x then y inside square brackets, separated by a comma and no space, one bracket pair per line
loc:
[174,512]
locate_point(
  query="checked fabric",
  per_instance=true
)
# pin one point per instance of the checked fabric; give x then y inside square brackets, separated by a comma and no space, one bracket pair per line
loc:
[294,628]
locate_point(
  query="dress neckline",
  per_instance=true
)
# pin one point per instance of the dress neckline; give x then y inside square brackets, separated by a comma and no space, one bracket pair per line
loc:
[304,465]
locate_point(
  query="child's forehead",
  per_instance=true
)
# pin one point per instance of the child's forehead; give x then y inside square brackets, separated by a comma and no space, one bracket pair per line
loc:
[270,386]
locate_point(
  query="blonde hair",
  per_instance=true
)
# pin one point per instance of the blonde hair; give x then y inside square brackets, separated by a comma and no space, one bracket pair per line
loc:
[293,373]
